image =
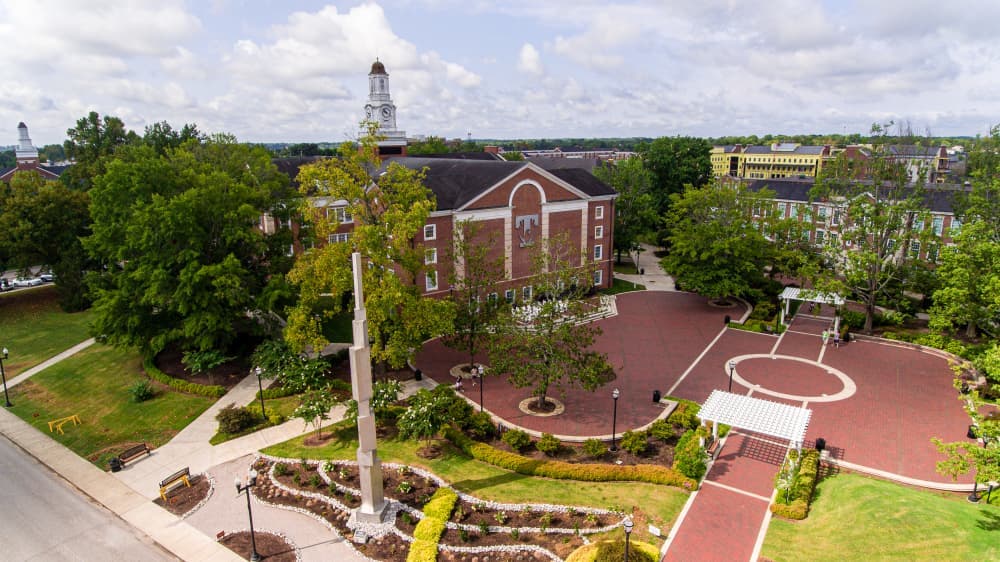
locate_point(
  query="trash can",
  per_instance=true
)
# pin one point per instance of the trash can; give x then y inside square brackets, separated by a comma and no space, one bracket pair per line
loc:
[642,271]
[116,464]
[726,320]
[973,432]
[418,375]
[656,397]
[820,444]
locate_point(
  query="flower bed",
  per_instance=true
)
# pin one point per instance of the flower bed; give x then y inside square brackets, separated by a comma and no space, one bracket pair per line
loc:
[796,482]
[472,528]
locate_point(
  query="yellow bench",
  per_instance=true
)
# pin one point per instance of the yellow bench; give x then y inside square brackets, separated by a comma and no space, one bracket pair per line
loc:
[58,424]
[176,479]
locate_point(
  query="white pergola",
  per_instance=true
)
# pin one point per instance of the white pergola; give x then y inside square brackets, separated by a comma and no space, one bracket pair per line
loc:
[753,414]
[796,294]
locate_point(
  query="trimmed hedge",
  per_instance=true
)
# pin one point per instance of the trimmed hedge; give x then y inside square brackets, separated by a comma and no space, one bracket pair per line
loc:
[802,489]
[759,326]
[437,511]
[653,474]
[211,391]
[689,457]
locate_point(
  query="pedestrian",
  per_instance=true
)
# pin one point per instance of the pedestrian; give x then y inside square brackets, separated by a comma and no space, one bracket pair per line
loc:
[458,384]
[826,337]
[836,339]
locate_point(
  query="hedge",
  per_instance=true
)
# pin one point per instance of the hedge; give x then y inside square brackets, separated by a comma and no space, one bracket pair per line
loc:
[437,511]
[213,391]
[653,474]
[759,326]
[802,489]
[281,391]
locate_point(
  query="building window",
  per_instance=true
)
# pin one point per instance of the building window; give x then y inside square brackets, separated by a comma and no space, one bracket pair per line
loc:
[835,217]
[793,210]
[598,232]
[938,225]
[932,253]
[914,249]
[956,226]
[430,232]
[341,237]
[431,280]
[599,212]
[526,293]
[430,255]
[508,295]
[339,214]
[598,277]
[820,237]
[782,208]
[492,297]
[598,252]
[821,213]
[291,250]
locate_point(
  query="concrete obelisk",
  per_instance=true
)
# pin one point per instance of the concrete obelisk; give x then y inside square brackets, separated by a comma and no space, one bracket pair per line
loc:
[369,465]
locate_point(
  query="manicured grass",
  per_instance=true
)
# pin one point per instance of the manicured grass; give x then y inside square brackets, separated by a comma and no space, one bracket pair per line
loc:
[658,505]
[622,286]
[859,518]
[627,266]
[283,407]
[34,328]
[94,384]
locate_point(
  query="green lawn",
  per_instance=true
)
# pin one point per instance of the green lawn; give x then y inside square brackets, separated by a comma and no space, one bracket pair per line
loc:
[94,385]
[627,266]
[859,518]
[622,286]
[34,328]
[283,407]
[659,505]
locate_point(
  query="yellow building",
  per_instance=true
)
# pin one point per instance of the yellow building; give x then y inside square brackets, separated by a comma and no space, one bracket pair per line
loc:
[778,160]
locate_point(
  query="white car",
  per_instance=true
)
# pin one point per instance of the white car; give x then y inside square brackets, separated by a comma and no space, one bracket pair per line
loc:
[27,282]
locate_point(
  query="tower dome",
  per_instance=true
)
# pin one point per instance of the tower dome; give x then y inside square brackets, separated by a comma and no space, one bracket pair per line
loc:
[378,68]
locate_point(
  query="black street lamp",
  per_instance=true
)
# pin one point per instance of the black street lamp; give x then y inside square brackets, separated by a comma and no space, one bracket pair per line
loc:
[974,496]
[628,532]
[479,373]
[260,386]
[614,419]
[732,368]
[3,374]
[242,487]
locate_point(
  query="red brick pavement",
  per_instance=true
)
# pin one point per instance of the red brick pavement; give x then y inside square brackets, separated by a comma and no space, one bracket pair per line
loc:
[749,463]
[800,345]
[811,325]
[711,373]
[788,377]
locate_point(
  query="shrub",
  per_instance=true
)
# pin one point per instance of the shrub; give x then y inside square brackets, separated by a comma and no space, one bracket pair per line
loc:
[763,311]
[480,426]
[280,469]
[685,415]
[652,474]
[140,391]
[614,551]
[594,448]
[441,504]
[661,430]
[689,458]
[548,444]
[802,489]
[516,439]
[428,531]
[855,320]
[635,442]
[212,391]
[422,550]
[234,420]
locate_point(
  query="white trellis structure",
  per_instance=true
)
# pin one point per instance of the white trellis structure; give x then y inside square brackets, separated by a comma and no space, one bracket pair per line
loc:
[796,294]
[753,414]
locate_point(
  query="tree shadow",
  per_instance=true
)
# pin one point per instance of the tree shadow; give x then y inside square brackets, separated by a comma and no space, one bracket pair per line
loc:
[484,483]
[990,521]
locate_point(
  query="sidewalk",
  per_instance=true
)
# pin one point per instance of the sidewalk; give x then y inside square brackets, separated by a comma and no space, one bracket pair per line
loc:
[49,362]
[653,276]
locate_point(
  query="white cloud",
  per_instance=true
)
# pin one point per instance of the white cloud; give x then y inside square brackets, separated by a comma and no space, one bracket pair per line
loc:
[529,60]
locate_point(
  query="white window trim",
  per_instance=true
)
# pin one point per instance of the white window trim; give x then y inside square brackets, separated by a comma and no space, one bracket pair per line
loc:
[430,275]
[430,256]
[509,295]
[599,232]
[526,293]
[338,237]
[598,252]
[433,231]
[598,277]
[599,212]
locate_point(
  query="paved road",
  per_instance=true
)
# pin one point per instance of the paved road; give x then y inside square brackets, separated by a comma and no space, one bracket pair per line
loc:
[44,518]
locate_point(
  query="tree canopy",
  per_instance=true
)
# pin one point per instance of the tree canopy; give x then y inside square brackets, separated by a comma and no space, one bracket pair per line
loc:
[91,144]
[635,212]
[676,162]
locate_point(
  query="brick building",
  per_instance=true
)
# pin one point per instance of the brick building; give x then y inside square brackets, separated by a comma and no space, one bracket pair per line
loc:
[27,159]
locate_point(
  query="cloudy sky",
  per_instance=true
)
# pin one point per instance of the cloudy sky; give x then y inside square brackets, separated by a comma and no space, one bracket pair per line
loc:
[296,70]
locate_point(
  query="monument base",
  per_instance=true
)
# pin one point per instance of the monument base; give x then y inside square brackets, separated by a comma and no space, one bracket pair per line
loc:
[372,525]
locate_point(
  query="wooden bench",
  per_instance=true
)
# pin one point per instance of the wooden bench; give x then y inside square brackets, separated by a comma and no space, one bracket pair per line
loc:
[713,448]
[182,476]
[133,453]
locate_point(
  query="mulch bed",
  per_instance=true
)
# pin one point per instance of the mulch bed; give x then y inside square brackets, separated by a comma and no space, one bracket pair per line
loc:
[182,499]
[657,452]
[269,546]
[225,375]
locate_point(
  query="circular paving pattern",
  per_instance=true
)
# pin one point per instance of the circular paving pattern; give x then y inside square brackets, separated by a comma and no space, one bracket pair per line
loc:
[792,378]
[525,406]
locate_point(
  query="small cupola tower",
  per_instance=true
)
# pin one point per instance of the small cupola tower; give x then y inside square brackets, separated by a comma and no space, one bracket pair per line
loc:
[26,153]
[381,110]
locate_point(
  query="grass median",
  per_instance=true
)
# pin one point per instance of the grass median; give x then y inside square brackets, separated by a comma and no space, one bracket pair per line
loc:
[34,328]
[94,384]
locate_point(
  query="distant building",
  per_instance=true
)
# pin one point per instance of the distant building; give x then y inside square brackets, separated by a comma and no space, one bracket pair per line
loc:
[381,110]
[27,159]
[604,154]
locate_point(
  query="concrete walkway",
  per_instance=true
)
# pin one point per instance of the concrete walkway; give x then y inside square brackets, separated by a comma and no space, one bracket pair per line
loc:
[653,277]
[50,362]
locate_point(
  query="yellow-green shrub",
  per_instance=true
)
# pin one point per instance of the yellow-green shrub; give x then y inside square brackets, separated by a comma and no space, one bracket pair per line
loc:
[441,504]
[428,531]
[422,551]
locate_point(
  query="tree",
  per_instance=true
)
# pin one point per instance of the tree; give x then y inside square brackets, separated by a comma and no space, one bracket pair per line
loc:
[386,216]
[176,235]
[315,409]
[675,163]
[385,393]
[91,144]
[41,223]
[199,362]
[426,416]
[963,456]
[885,217]
[476,313]
[430,145]
[162,137]
[547,345]
[635,213]
[716,249]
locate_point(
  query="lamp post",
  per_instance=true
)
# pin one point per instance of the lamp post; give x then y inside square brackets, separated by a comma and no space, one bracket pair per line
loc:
[628,532]
[3,374]
[614,419]
[479,373]
[260,386]
[242,487]
[732,368]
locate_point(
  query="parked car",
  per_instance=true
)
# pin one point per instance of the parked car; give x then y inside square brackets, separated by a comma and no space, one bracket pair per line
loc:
[47,277]
[27,282]
[5,285]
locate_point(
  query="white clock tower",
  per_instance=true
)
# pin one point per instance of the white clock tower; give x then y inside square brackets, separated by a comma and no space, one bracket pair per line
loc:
[381,110]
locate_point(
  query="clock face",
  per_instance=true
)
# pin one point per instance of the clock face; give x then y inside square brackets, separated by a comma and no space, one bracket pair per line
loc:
[368,112]
[386,112]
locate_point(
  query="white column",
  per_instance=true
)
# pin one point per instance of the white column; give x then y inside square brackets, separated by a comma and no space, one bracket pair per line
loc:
[508,247]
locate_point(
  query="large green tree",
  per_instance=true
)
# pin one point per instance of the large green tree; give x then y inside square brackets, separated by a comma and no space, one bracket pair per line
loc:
[41,223]
[716,247]
[387,216]
[176,233]
[91,144]
[676,162]
[635,211]
[547,345]
[885,219]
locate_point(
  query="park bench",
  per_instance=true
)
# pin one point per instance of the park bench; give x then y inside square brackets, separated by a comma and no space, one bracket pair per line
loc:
[133,453]
[182,476]
[713,448]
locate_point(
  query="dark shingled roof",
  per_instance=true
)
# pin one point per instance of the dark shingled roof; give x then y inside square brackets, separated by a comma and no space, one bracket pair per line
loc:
[587,164]
[5,171]
[290,165]
[456,182]
[584,181]
[487,156]
[790,190]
